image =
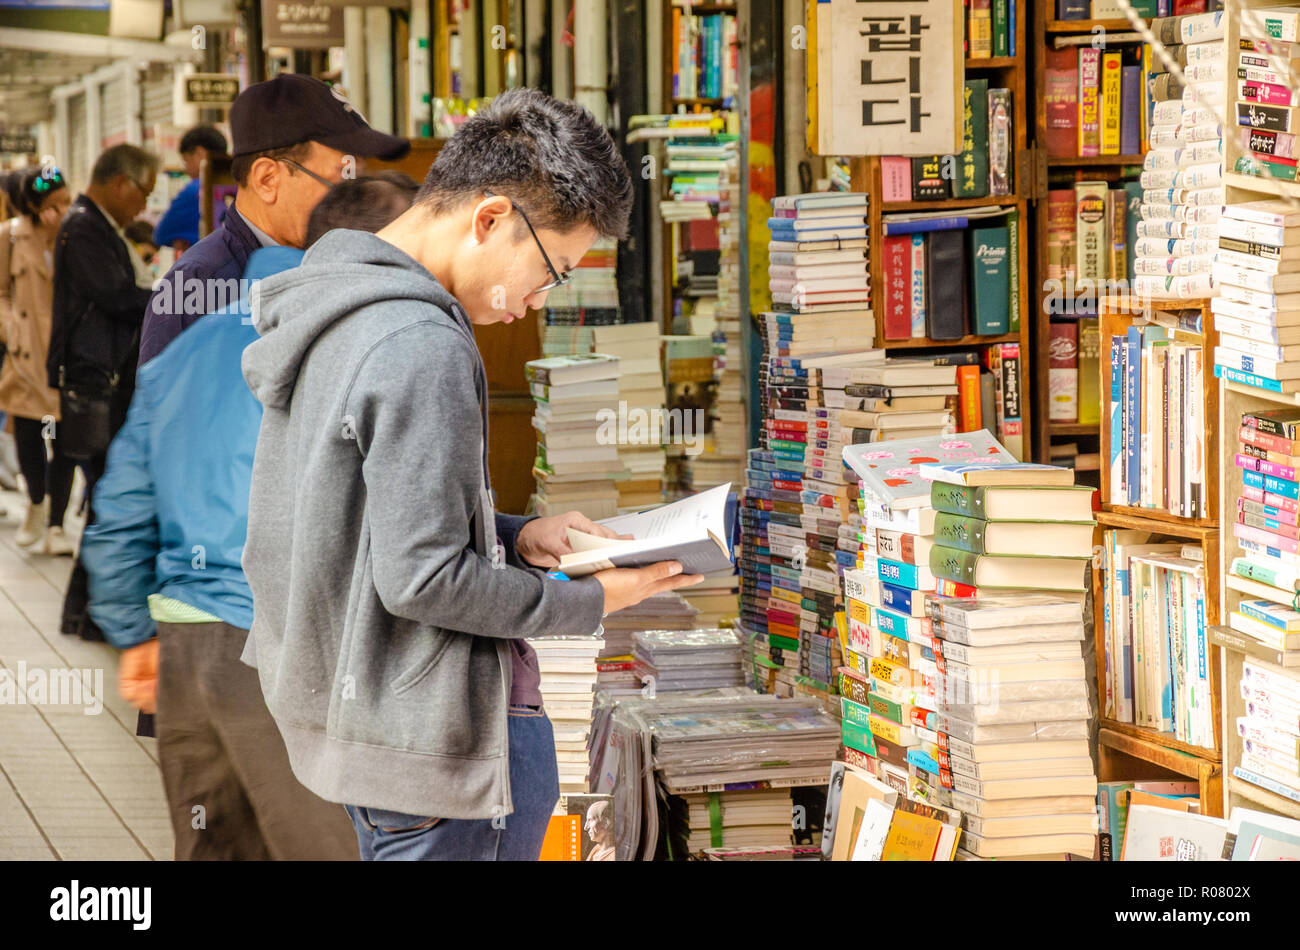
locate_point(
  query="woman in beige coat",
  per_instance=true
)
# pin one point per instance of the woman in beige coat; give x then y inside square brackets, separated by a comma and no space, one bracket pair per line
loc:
[26,297]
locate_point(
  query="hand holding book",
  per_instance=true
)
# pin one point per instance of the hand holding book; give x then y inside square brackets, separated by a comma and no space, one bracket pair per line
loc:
[543,541]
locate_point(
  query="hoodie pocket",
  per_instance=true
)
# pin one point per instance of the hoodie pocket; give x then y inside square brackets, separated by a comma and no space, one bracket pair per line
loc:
[415,674]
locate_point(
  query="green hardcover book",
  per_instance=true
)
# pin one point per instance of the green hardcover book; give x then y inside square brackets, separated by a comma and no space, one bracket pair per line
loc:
[973,171]
[1089,372]
[1133,194]
[858,737]
[785,643]
[990,285]
[956,499]
[855,713]
[953,564]
[1001,41]
[1013,502]
[885,707]
[1013,272]
[960,531]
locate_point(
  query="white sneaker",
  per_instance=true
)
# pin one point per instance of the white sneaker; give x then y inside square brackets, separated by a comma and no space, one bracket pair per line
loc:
[57,544]
[33,526]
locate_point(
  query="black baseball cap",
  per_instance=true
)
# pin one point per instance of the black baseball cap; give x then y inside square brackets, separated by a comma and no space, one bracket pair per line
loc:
[292,108]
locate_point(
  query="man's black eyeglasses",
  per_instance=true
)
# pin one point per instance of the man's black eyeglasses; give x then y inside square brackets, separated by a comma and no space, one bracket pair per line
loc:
[557,279]
[307,171]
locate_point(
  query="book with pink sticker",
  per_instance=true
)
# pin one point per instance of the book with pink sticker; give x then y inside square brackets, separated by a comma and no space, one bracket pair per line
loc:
[891,471]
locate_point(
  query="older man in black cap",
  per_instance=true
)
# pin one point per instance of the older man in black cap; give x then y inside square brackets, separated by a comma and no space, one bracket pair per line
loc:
[294,137]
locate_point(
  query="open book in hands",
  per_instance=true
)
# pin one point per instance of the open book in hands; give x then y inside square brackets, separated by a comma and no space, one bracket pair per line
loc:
[692,531]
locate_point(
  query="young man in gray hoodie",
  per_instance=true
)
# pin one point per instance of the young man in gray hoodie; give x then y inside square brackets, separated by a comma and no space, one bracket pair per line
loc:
[391,601]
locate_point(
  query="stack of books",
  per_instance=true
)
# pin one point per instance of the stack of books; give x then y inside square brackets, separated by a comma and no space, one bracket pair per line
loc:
[1155,415]
[738,819]
[1266,95]
[674,660]
[1269,730]
[592,292]
[1258,310]
[568,672]
[1156,651]
[1182,177]
[818,255]
[885,641]
[577,460]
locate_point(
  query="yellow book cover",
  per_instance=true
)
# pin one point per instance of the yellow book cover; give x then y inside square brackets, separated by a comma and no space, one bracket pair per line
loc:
[1110,101]
[911,838]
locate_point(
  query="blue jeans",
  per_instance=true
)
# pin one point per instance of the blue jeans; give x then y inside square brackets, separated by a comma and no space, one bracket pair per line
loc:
[534,789]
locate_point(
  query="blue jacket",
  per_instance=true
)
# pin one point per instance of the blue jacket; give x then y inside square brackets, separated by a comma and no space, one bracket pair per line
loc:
[171,511]
[181,221]
[222,255]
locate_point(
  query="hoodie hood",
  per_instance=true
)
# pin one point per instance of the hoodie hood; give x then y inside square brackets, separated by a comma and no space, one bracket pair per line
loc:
[343,272]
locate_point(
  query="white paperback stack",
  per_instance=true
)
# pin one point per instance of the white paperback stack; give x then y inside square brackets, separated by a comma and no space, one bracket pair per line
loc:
[1012,725]
[1270,730]
[1257,312]
[1182,177]
[739,819]
[724,457]
[568,671]
[671,660]
[576,461]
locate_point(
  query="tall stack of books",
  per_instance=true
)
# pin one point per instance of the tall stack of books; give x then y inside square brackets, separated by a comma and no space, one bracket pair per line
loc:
[1266,93]
[616,666]
[1258,310]
[1013,692]
[576,461]
[674,660]
[1269,730]
[887,683]
[568,678]
[818,258]
[1156,650]
[1182,177]
[745,818]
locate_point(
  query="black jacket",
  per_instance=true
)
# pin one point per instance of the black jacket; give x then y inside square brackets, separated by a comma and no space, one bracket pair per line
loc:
[220,256]
[97,306]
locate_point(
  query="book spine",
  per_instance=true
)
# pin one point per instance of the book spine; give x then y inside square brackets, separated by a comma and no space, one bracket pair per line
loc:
[918,285]
[1115,421]
[1063,372]
[895,295]
[1000,138]
[953,564]
[1089,102]
[960,532]
[956,499]
[1132,414]
[968,405]
[974,163]
[1111,85]
[1013,272]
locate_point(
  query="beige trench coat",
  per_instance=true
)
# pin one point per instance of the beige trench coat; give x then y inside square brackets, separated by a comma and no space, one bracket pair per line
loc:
[26,307]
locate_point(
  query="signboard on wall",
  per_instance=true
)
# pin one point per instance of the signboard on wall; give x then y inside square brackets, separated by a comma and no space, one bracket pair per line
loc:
[301,25]
[210,89]
[888,77]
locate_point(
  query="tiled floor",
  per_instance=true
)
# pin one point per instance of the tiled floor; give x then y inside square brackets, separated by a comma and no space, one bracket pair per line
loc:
[72,785]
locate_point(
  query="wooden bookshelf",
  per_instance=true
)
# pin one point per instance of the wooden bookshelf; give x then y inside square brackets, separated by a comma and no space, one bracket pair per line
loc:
[1045,29]
[1008,73]
[1116,317]
[1127,750]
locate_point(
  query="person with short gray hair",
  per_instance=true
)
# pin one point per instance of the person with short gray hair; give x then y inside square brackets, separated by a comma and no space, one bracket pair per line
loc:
[98,308]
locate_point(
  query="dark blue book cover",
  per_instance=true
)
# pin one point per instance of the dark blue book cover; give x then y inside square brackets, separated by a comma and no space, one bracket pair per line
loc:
[1130,115]
[1072,9]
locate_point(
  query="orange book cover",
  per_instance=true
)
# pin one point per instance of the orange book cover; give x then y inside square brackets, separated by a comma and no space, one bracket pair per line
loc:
[911,838]
[563,841]
[968,395]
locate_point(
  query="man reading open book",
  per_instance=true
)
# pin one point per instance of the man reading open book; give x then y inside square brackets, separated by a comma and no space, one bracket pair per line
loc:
[392,601]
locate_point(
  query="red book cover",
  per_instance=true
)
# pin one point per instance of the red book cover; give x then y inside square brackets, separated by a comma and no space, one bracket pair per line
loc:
[896,269]
[1187,7]
[702,235]
[1089,102]
[1061,95]
[968,395]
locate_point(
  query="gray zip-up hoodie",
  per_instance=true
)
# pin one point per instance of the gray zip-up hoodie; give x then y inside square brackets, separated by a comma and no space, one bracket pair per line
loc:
[381,617]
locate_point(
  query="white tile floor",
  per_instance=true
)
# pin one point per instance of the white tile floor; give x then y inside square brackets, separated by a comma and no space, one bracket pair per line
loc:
[72,785]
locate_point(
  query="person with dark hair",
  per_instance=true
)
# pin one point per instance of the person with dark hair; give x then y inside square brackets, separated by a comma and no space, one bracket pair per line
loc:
[366,204]
[179,226]
[140,233]
[294,137]
[396,667]
[177,484]
[26,318]
[100,291]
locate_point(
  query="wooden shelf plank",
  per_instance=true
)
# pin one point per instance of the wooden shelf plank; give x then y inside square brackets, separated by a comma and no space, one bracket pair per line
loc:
[1159,748]
[1271,186]
[1059,161]
[939,204]
[1116,517]
[1073,428]
[919,342]
[1087,26]
[1283,399]
[1262,797]
[995,62]
[1165,519]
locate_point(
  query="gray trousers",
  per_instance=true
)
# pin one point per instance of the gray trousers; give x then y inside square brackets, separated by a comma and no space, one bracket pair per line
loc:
[230,791]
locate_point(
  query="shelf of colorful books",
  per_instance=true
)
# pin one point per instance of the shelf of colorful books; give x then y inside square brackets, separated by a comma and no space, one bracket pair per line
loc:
[1118,747]
[1170,542]
[1159,406]
[1237,399]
